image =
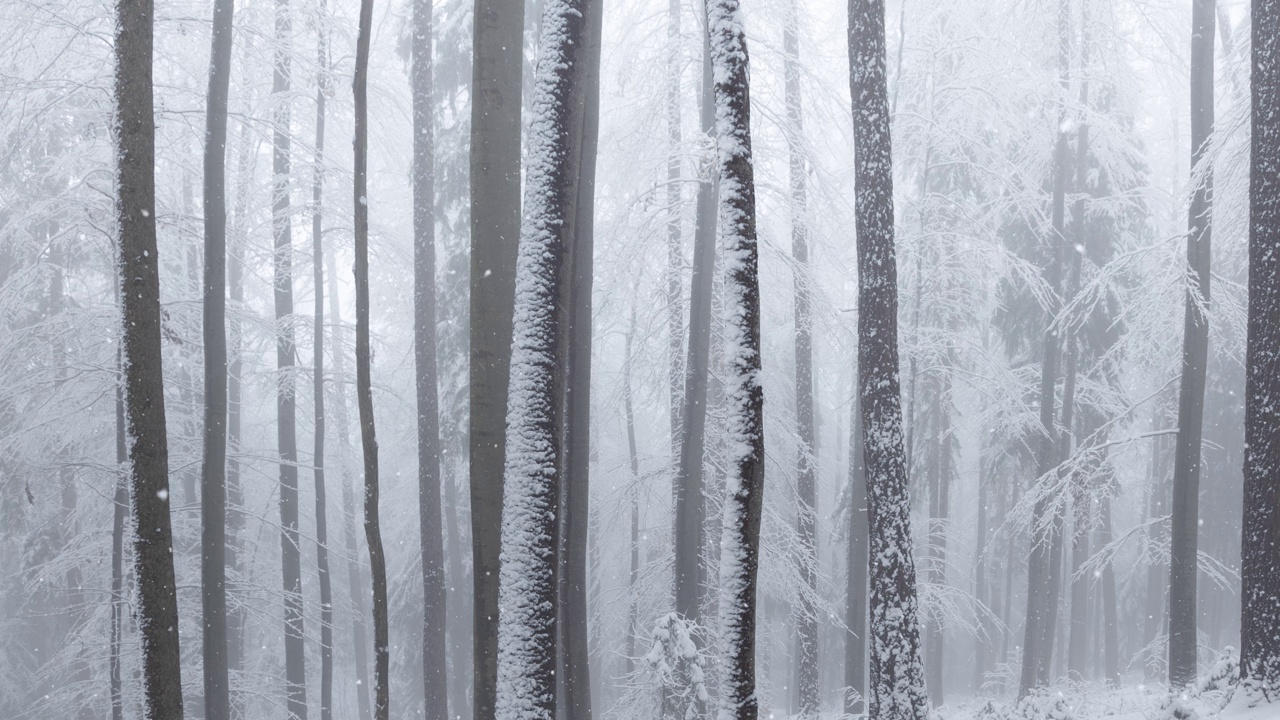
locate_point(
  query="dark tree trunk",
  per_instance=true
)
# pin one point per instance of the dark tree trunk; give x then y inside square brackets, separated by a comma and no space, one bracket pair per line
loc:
[855,644]
[364,383]
[690,510]
[806,462]
[744,392]
[495,232]
[675,253]
[573,640]
[434,613]
[120,506]
[148,445]
[317,269]
[1260,541]
[1183,557]
[213,477]
[539,455]
[897,675]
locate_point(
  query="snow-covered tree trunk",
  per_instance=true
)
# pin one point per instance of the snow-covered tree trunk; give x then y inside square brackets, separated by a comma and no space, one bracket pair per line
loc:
[855,618]
[1260,546]
[537,452]
[147,440]
[120,508]
[675,252]
[744,392]
[897,675]
[1184,523]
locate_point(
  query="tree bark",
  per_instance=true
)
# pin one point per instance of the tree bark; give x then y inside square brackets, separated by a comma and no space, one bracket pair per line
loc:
[495,232]
[1260,541]
[897,675]
[855,644]
[1183,555]
[148,446]
[364,384]
[213,472]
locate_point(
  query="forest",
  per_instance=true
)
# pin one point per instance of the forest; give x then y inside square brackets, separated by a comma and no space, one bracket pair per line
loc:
[640,360]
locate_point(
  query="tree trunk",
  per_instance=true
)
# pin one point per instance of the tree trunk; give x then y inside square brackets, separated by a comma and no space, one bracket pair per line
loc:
[1260,544]
[120,506]
[675,253]
[148,446]
[213,488]
[364,384]
[434,613]
[574,647]
[495,232]
[317,268]
[1183,555]
[855,644]
[744,421]
[1111,641]
[630,417]
[806,462]
[897,675]
[539,455]
[981,591]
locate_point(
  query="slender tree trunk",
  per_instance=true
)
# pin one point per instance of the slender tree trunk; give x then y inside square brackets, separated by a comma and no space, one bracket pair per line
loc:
[897,675]
[574,646]
[495,232]
[148,446]
[939,505]
[690,510]
[630,418]
[1111,639]
[434,613]
[675,253]
[1260,541]
[855,644]
[806,492]
[1183,556]
[317,269]
[120,506]
[213,488]
[981,591]
[539,455]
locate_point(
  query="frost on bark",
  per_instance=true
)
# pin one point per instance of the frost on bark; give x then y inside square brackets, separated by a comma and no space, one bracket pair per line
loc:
[897,675]
[744,394]
[1184,522]
[1260,545]
[147,441]
[537,443]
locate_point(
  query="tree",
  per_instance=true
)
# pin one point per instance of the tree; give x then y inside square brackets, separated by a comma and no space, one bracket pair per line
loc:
[213,472]
[148,446]
[744,500]
[1185,527]
[538,450]
[855,614]
[897,675]
[495,232]
[120,506]
[675,253]
[434,612]
[364,381]
[1260,539]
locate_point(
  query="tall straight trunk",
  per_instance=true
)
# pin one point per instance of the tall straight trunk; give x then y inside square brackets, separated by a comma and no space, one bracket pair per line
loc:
[295,669]
[1260,539]
[806,492]
[495,232]
[213,471]
[897,675]
[355,579]
[434,612]
[1157,572]
[539,455]
[364,381]
[981,591]
[690,506]
[744,392]
[630,418]
[575,674]
[855,618]
[148,445]
[675,253]
[235,494]
[317,269]
[1041,593]
[120,506]
[939,506]
[1183,553]
[1111,625]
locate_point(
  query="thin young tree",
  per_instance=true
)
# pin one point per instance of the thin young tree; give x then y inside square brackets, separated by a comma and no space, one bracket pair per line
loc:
[434,613]
[855,619]
[1260,540]
[1184,523]
[497,63]
[744,391]
[147,441]
[542,334]
[364,381]
[897,676]
[213,471]
[120,507]
[675,252]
